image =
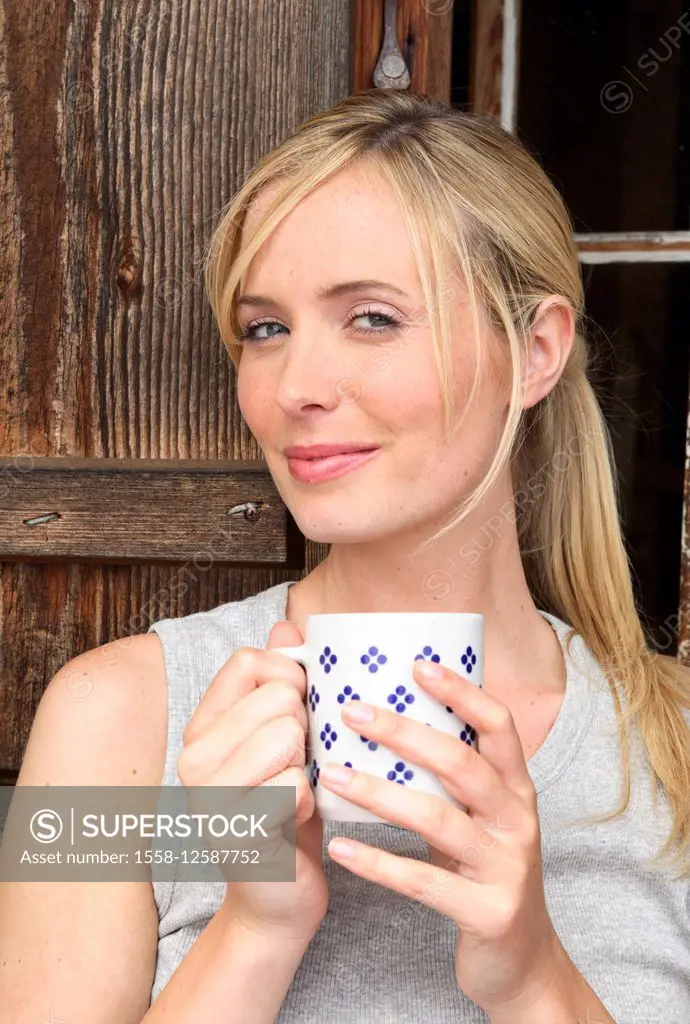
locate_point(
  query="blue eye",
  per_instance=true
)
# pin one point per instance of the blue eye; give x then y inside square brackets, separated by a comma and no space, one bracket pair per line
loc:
[389,324]
[247,333]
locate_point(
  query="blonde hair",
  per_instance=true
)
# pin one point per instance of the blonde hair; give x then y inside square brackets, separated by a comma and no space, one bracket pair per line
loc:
[484,206]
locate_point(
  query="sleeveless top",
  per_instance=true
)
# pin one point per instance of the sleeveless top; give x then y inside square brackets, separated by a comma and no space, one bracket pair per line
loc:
[382,958]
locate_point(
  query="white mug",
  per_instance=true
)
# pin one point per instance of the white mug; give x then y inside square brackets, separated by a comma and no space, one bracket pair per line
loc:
[369,656]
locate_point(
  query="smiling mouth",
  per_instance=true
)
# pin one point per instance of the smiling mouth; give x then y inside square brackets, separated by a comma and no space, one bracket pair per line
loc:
[335,455]
[328,467]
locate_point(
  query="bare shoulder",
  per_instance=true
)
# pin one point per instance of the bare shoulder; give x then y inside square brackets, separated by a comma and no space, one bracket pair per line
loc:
[103,718]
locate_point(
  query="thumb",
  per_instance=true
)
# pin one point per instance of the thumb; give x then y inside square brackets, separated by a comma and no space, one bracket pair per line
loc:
[284,634]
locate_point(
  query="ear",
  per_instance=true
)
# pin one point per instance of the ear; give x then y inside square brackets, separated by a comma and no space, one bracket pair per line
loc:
[550,342]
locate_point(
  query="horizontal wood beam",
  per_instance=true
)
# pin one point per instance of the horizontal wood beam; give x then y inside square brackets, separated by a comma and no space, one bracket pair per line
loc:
[634,247]
[141,510]
[639,240]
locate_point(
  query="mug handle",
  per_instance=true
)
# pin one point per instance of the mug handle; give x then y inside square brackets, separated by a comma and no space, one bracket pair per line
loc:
[300,654]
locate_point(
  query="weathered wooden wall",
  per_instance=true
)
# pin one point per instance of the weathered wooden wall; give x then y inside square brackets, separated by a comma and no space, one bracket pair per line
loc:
[125,129]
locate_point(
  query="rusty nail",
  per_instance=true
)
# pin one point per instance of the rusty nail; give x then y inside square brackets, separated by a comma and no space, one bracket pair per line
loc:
[250,509]
[49,517]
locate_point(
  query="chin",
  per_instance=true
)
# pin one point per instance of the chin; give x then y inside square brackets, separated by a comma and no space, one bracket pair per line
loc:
[326,531]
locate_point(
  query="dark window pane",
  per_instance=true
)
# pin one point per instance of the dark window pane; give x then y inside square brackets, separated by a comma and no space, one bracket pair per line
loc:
[642,312]
[461,54]
[602,100]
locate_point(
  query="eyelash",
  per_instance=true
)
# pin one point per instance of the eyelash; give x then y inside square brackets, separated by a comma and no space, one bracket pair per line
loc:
[392,325]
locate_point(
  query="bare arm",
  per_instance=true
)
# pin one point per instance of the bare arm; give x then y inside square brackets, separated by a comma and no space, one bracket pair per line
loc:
[87,950]
[230,973]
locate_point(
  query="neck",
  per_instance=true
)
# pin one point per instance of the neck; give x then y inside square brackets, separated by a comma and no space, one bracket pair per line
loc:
[476,567]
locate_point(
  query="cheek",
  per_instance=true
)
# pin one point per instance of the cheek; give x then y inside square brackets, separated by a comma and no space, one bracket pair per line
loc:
[410,409]
[410,392]
[251,397]
[255,416]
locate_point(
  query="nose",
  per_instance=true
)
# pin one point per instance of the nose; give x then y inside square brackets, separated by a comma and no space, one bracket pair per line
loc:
[309,370]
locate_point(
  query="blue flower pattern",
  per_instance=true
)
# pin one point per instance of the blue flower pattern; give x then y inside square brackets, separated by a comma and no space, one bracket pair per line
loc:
[327,659]
[468,734]
[347,692]
[401,698]
[469,660]
[372,659]
[328,736]
[400,769]
[428,653]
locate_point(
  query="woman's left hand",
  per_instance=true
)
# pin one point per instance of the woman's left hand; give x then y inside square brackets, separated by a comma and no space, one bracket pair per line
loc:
[486,870]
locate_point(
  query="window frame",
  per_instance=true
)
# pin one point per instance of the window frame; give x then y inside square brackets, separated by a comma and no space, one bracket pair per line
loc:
[494,84]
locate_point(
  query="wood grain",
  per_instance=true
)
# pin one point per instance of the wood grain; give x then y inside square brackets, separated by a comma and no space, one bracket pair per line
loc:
[127,510]
[631,242]
[487,57]
[684,623]
[126,129]
[424,34]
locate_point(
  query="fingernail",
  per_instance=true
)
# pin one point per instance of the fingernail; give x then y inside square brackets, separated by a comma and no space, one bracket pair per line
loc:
[341,849]
[429,669]
[358,711]
[338,774]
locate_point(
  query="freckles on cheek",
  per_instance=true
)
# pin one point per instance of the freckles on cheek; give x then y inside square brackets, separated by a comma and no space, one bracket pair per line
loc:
[414,413]
[412,387]
[420,455]
[254,402]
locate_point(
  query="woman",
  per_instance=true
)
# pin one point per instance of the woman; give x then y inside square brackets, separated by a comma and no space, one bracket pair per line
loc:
[400,278]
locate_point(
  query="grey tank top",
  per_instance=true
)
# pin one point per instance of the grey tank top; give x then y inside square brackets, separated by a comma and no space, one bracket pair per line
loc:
[381,958]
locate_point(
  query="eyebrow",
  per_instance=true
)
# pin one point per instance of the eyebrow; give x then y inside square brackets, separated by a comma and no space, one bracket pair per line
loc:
[328,292]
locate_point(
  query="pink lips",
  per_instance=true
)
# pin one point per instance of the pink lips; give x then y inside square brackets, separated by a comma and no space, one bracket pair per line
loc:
[327,467]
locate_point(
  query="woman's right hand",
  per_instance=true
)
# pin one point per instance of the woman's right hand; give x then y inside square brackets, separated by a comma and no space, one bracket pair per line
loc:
[250,728]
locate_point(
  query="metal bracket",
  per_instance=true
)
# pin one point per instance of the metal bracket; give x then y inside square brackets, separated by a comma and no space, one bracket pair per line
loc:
[391,70]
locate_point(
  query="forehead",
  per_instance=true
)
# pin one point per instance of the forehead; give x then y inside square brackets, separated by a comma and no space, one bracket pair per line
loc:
[350,225]
[359,182]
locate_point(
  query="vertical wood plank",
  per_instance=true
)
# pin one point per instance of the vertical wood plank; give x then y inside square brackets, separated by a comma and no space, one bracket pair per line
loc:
[424,35]
[128,128]
[486,64]
[494,70]
[684,625]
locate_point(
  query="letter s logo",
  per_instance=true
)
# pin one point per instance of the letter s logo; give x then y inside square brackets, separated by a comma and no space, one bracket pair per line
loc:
[46,826]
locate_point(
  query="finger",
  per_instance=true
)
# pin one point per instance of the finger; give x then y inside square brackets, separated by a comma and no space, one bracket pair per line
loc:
[268,751]
[445,891]
[218,743]
[245,669]
[441,824]
[464,772]
[284,634]
[498,740]
[295,808]
[310,829]
[294,777]
[304,795]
